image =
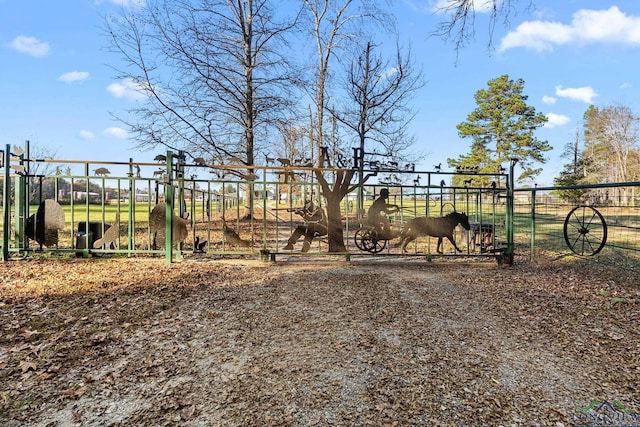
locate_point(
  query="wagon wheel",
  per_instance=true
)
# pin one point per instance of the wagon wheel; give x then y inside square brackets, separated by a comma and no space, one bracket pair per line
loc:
[375,245]
[367,240]
[585,230]
[358,239]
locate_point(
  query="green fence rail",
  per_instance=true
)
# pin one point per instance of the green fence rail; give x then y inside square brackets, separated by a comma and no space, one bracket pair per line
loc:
[579,219]
[233,210]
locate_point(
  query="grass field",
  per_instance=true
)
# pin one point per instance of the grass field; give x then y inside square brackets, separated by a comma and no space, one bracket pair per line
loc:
[545,232]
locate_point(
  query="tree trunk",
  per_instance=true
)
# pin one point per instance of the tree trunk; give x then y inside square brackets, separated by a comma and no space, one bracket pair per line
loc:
[334,222]
[333,197]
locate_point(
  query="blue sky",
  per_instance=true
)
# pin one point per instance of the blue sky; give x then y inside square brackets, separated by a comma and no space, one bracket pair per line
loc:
[58,90]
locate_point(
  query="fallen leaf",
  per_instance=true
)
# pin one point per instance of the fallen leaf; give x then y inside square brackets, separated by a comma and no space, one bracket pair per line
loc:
[27,365]
[99,337]
[19,348]
[188,412]
[27,333]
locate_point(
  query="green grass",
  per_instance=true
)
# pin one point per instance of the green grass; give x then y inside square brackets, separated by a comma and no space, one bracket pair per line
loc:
[623,223]
[100,213]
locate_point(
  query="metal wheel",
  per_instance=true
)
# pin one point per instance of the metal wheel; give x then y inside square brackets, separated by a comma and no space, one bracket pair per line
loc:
[585,231]
[358,239]
[375,245]
[367,240]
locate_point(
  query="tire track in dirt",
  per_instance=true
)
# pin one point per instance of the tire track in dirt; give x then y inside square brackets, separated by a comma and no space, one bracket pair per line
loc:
[331,344]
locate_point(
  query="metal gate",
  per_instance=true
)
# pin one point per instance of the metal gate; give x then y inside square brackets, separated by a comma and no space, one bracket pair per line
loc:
[173,208]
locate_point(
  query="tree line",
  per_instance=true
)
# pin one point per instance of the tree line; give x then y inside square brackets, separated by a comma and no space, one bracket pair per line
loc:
[604,150]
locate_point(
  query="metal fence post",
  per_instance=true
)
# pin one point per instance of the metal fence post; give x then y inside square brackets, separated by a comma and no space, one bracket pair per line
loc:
[87,220]
[131,209]
[168,201]
[509,253]
[6,198]
[21,202]
[533,224]
[265,201]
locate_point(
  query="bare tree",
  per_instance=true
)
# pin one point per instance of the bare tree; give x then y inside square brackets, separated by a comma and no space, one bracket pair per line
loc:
[291,146]
[611,135]
[291,151]
[334,24]
[213,75]
[613,132]
[40,184]
[375,109]
[376,103]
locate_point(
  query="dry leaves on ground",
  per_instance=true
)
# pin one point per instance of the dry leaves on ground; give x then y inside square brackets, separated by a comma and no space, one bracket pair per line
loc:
[104,342]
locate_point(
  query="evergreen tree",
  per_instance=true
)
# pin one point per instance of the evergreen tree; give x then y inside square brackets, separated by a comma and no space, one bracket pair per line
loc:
[573,172]
[502,128]
[569,177]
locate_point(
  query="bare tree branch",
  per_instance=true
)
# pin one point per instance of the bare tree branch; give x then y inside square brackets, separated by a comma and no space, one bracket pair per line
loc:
[213,76]
[459,26]
[334,24]
[376,107]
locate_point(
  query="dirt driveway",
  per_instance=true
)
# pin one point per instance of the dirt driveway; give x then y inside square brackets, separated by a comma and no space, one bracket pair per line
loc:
[111,342]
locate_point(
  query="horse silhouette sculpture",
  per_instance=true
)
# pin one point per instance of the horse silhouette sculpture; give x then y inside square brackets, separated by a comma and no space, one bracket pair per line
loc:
[439,227]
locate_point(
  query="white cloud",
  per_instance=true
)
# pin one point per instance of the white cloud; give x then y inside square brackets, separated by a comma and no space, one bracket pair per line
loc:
[128,3]
[584,94]
[625,85]
[116,132]
[74,76]
[537,35]
[127,89]
[30,45]
[549,99]
[555,120]
[446,6]
[389,73]
[587,26]
[85,134]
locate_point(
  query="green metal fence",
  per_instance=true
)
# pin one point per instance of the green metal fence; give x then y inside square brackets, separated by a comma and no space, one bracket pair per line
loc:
[583,220]
[233,210]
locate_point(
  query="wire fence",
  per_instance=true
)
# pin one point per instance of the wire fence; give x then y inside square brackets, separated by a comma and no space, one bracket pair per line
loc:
[601,220]
[230,213]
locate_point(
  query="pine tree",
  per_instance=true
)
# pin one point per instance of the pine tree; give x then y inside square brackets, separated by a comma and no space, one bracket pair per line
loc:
[502,128]
[572,174]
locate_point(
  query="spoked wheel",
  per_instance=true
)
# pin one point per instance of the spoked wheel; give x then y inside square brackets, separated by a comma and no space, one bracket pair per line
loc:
[367,240]
[585,231]
[358,239]
[375,245]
